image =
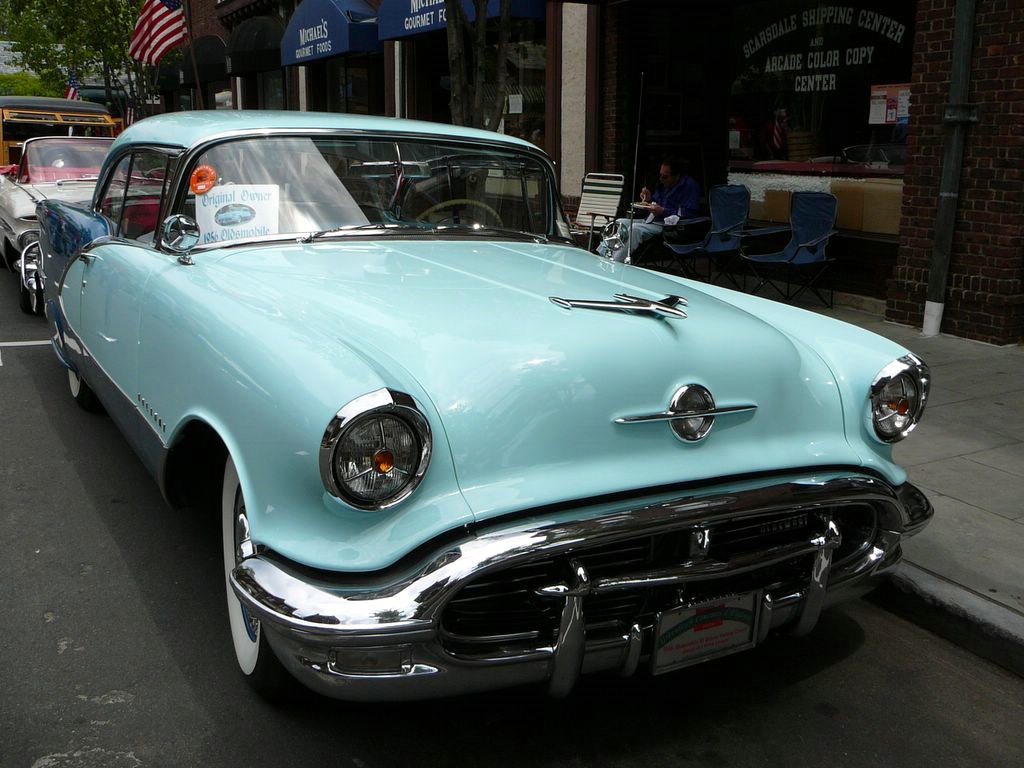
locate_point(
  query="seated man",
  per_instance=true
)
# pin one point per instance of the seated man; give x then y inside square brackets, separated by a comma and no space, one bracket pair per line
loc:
[677,196]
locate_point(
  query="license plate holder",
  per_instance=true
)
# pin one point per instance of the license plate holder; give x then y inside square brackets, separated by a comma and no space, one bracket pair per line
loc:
[703,631]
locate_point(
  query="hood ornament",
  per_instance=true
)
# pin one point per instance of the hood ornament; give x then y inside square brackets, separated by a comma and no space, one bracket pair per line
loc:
[624,302]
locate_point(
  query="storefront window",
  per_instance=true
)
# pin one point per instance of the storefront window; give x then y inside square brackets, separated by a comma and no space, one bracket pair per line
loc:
[524,83]
[349,86]
[825,87]
[271,89]
[524,63]
[219,95]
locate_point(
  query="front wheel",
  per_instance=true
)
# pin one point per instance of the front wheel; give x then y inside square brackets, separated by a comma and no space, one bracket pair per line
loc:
[83,394]
[26,299]
[255,657]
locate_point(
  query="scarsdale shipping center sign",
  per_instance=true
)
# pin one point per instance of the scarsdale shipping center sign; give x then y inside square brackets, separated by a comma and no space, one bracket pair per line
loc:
[813,47]
[816,65]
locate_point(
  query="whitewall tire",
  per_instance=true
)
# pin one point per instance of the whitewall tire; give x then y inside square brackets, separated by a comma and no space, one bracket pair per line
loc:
[82,393]
[254,655]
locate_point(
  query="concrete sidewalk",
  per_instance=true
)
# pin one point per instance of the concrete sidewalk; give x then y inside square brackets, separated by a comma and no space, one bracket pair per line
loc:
[963,576]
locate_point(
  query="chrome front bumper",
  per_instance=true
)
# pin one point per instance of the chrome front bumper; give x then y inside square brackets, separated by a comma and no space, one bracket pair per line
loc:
[379,637]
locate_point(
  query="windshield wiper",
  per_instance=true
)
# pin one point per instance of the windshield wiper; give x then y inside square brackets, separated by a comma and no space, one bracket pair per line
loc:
[70,179]
[351,228]
[477,229]
[423,228]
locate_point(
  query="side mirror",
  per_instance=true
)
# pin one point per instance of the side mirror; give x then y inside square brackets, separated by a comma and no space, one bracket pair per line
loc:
[180,233]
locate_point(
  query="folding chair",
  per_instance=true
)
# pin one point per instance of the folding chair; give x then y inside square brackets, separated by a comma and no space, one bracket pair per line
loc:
[722,230]
[812,219]
[600,200]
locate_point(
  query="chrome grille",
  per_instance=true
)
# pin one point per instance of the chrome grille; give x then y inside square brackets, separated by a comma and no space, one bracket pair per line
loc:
[501,612]
[505,604]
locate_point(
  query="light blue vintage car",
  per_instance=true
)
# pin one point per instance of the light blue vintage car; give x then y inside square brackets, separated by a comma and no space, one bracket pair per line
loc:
[451,451]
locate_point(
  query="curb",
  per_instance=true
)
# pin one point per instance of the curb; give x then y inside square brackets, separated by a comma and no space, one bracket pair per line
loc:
[977,624]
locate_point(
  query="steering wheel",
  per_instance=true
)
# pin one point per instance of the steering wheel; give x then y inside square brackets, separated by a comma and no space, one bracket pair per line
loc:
[461,201]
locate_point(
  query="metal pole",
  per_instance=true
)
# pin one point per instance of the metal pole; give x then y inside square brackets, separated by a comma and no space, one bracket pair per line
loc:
[957,117]
[636,147]
[192,53]
[633,184]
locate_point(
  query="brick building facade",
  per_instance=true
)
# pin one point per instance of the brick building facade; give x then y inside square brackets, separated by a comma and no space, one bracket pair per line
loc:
[984,296]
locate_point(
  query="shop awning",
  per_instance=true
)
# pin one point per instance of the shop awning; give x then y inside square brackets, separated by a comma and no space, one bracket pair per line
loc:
[322,28]
[209,61]
[255,45]
[399,18]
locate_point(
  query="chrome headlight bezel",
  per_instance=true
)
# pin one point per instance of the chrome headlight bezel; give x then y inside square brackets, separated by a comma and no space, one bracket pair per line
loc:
[382,402]
[27,238]
[696,408]
[909,379]
[31,254]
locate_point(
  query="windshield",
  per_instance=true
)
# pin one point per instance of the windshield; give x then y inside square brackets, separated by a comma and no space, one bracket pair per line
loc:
[20,131]
[313,185]
[62,159]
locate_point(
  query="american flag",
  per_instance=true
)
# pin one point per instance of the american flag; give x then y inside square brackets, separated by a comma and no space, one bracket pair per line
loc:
[160,27]
[73,85]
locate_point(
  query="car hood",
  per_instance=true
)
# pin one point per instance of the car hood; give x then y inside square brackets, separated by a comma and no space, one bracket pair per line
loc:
[527,393]
[26,196]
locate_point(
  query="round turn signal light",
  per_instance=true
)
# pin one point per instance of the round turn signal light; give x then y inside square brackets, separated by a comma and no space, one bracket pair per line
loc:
[383,461]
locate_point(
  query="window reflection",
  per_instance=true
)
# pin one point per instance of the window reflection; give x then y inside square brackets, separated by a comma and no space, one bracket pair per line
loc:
[274,186]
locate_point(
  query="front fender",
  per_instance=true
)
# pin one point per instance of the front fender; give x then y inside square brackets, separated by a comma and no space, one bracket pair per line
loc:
[269,394]
[854,356]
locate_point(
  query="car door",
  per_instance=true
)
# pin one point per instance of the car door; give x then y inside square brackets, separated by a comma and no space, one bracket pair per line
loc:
[111,280]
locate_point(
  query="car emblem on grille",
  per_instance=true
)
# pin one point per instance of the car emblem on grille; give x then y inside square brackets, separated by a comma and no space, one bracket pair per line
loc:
[691,413]
[788,524]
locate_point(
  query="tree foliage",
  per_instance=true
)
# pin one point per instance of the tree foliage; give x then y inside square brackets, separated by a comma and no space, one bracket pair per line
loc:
[472,62]
[57,37]
[25,84]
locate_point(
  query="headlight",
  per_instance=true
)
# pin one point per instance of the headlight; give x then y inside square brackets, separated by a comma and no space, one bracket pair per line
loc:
[376,450]
[26,238]
[898,397]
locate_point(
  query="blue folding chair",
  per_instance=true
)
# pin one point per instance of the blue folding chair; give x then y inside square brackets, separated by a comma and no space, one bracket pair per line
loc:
[721,236]
[812,219]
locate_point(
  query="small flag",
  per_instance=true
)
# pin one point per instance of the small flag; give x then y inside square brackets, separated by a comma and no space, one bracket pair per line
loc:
[71,92]
[160,27]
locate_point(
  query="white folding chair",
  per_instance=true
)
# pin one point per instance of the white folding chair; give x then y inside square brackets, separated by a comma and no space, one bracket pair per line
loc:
[599,201]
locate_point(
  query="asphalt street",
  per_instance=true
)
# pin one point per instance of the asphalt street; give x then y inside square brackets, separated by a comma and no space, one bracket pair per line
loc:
[114,649]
